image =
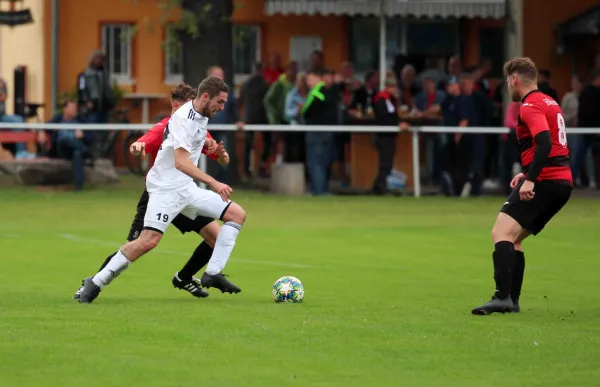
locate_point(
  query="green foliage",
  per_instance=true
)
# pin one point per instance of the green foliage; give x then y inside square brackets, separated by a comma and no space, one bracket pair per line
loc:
[187,24]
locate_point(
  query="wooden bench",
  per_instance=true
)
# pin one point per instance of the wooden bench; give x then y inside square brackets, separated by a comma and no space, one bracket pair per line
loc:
[14,137]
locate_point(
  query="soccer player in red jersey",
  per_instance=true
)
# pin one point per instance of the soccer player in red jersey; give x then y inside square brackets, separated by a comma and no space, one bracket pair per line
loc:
[539,193]
[208,228]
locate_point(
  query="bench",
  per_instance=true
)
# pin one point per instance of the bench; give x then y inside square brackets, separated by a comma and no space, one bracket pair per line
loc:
[47,171]
[14,137]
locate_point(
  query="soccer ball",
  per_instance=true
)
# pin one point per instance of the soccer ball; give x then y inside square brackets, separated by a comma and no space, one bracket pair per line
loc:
[288,289]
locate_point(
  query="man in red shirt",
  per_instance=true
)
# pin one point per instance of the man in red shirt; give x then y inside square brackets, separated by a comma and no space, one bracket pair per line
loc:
[208,228]
[539,193]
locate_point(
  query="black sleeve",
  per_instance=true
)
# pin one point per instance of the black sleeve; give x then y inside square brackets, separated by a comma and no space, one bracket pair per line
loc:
[543,145]
[382,116]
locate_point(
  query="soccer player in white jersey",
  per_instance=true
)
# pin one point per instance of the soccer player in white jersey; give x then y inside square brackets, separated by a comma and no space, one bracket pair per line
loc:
[170,184]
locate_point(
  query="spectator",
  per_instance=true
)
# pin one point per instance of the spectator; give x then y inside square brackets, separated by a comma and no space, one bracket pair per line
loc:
[317,62]
[252,112]
[320,109]
[351,84]
[511,153]
[408,87]
[94,92]
[362,100]
[20,149]
[471,107]
[451,178]
[428,101]
[229,115]
[544,77]
[274,69]
[427,104]
[73,144]
[295,148]
[386,114]
[570,108]
[454,70]
[274,100]
[588,117]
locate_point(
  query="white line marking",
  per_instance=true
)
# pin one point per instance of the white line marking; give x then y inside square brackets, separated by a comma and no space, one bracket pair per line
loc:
[90,241]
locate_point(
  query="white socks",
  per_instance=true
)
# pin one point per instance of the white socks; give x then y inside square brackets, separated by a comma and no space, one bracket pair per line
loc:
[116,266]
[223,247]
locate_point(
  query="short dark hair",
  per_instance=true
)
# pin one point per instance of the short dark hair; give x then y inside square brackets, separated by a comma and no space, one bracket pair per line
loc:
[524,67]
[258,67]
[545,73]
[212,86]
[182,93]
[318,72]
[370,74]
[66,103]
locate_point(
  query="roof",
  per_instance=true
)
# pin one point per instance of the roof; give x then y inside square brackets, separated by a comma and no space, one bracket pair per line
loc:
[584,23]
[418,8]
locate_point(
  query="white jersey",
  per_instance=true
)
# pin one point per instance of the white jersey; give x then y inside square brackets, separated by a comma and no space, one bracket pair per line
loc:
[186,129]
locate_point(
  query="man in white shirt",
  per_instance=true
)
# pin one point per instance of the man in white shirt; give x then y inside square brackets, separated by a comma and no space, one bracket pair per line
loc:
[170,184]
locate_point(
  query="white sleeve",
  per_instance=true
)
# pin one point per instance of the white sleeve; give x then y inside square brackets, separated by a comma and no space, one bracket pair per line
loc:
[178,129]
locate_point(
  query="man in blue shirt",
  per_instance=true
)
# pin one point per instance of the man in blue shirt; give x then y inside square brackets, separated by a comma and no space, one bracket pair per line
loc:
[72,144]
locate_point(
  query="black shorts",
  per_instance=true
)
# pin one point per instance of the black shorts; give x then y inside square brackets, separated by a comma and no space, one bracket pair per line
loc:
[183,223]
[533,215]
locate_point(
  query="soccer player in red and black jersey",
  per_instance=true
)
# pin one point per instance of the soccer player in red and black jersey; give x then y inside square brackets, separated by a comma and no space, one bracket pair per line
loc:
[539,193]
[208,228]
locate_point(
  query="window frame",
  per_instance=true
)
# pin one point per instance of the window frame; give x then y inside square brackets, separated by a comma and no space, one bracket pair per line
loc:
[170,77]
[107,33]
[239,78]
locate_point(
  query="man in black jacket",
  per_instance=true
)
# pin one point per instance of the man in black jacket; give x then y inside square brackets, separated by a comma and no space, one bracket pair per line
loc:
[385,104]
[321,108]
[588,117]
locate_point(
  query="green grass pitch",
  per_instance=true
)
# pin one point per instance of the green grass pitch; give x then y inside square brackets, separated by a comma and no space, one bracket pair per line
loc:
[389,282]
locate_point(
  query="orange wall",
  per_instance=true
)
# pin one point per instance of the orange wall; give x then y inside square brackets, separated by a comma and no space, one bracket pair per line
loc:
[540,38]
[80,34]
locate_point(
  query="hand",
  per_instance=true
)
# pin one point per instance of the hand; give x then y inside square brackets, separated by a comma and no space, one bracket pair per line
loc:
[41,137]
[138,148]
[337,78]
[517,180]
[404,126]
[79,134]
[220,148]
[211,146]
[90,104]
[223,190]
[526,191]
[239,125]
[457,137]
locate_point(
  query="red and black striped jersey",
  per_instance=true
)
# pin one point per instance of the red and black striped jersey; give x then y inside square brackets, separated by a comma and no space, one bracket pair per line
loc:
[539,113]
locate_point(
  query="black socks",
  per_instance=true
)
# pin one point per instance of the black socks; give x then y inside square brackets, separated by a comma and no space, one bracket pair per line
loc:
[197,261]
[504,265]
[517,278]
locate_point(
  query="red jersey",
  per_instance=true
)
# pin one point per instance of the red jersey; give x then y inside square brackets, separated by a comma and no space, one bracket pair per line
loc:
[154,138]
[272,74]
[539,113]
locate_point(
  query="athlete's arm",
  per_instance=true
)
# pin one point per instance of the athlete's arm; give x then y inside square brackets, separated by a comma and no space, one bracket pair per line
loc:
[185,165]
[535,119]
[153,138]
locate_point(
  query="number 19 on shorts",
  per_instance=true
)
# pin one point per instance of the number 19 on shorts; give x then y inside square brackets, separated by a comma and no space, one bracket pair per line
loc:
[162,217]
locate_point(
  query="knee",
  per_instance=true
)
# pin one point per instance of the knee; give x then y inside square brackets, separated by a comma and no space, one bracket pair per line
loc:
[500,233]
[149,241]
[235,213]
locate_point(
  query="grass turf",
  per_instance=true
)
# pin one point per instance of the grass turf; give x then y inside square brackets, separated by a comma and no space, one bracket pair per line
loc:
[389,287]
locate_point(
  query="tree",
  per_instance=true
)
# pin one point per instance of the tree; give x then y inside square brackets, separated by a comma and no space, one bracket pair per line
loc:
[204,33]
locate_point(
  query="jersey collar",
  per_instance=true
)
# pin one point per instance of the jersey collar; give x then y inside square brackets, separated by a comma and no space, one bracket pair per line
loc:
[528,94]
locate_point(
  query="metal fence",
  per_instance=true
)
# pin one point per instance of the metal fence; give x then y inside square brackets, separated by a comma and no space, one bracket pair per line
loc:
[415,130]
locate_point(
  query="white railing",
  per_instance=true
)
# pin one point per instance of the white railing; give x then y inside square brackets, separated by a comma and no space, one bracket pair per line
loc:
[415,130]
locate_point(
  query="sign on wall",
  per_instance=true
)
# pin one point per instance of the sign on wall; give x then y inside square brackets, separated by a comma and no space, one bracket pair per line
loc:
[14,13]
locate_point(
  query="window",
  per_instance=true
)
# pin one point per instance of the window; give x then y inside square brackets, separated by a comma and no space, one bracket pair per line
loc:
[246,48]
[491,46]
[173,59]
[116,43]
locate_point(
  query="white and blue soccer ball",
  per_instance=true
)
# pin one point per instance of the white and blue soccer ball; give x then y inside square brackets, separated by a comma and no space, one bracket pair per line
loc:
[288,289]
